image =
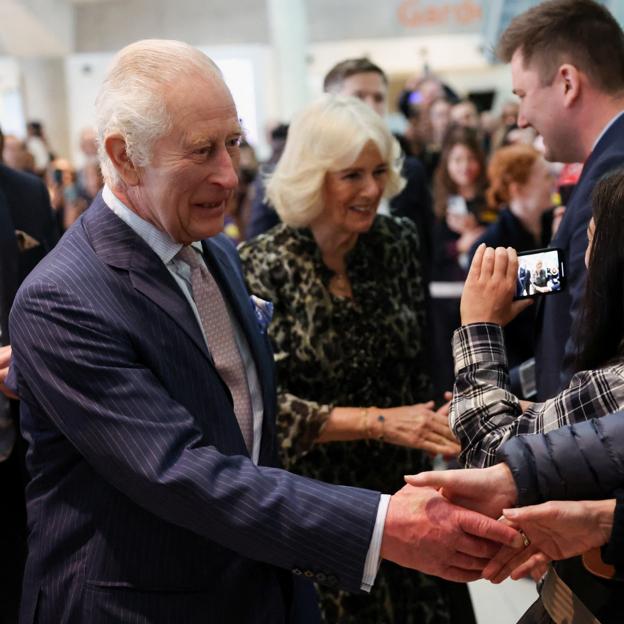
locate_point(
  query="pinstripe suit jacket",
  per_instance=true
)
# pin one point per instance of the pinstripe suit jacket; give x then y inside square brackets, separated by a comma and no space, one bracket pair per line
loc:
[144,506]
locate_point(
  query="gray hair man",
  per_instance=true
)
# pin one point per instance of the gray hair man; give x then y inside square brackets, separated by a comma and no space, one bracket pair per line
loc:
[149,397]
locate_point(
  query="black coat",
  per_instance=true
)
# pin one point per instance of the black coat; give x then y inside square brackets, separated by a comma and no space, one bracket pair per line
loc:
[27,233]
[556,345]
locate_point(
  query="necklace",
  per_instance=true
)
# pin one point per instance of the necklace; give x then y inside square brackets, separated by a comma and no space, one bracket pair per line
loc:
[339,285]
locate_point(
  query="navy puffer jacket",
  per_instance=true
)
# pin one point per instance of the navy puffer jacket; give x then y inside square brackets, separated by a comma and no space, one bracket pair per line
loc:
[584,461]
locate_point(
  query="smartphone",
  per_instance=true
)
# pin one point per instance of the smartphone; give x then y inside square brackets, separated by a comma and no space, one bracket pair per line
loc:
[540,272]
[456,205]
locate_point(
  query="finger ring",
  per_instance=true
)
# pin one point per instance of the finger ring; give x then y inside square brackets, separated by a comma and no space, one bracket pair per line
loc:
[525,540]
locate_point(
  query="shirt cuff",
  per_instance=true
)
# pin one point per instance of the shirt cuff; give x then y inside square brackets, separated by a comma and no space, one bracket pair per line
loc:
[476,343]
[371,565]
[613,550]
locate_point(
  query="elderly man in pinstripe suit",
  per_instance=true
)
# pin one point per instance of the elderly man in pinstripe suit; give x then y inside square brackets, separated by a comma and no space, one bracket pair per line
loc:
[148,398]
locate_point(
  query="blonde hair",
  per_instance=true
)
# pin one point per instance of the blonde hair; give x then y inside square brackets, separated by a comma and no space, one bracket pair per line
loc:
[132,99]
[327,135]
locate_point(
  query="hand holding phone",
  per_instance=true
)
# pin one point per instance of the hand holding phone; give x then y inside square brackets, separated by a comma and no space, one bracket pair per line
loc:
[490,287]
[540,272]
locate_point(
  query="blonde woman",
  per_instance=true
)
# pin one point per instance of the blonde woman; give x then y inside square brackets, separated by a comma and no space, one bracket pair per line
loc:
[348,329]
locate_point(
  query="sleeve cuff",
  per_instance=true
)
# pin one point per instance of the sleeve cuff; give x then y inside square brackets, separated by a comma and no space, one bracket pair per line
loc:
[476,343]
[613,550]
[521,463]
[371,565]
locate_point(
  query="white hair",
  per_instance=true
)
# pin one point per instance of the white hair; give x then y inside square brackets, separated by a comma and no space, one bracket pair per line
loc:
[132,99]
[327,135]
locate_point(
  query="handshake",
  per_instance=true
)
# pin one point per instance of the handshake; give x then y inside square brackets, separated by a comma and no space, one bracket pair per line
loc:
[460,525]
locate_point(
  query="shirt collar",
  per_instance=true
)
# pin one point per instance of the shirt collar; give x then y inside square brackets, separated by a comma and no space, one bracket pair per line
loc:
[606,128]
[158,241]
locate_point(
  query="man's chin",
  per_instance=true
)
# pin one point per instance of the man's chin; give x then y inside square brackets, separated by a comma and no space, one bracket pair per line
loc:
[207,227]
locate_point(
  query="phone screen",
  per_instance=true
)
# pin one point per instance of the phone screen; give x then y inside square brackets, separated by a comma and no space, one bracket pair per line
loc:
[540,272]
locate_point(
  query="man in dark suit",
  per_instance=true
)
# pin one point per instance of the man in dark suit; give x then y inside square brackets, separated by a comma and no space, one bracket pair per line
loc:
[148,398]
[567,65]
[26,234]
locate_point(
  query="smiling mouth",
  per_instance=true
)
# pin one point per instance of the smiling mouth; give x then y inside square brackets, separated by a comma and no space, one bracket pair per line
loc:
[362,209]
[210,205]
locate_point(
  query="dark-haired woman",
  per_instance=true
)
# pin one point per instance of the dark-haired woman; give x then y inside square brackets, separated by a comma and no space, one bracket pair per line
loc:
[461,214]
[484,413]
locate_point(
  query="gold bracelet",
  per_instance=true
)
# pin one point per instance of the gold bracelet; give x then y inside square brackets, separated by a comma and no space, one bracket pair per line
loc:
[364,414]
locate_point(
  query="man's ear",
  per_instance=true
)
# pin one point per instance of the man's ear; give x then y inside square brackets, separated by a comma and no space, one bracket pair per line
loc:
[569,79]
[115,147]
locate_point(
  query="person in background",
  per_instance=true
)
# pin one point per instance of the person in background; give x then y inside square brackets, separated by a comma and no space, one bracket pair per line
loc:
[38,146]
[507,119]
[67,202]
[439,122]
[348,328]
[15,154]
[521,189]
[27,233]
[461,217]
[262,217]
[466,115]
[239,206]
[89,157]
[415,103]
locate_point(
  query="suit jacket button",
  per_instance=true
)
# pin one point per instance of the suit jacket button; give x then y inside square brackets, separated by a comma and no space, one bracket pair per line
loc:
[297,571]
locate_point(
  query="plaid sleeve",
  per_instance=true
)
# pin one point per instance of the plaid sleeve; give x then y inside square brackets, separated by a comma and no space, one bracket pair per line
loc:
[484,414]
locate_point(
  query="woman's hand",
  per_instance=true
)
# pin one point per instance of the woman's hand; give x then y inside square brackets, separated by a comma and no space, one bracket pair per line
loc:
[461,223]
[556,530]
[468,239]
[416,426]
[490,287]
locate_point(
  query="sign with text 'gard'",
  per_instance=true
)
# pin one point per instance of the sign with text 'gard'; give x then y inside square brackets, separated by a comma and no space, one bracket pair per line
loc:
[447,16]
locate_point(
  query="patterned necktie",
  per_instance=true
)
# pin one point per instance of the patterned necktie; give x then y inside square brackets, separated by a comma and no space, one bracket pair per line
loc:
[219,333]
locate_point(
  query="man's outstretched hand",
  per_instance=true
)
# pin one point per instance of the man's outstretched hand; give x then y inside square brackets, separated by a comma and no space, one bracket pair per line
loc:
[426,532]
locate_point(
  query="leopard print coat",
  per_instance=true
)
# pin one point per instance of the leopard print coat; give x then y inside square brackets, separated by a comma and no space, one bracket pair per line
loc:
[360,351]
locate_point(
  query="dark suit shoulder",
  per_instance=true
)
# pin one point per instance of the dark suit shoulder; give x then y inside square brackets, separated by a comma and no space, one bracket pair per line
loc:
[413,168]
[19,180]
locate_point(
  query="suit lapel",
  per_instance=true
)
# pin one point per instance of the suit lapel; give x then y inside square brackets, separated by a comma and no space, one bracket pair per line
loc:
[119,246]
